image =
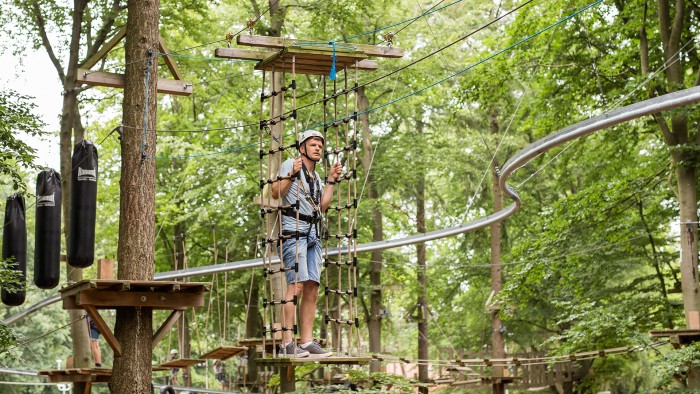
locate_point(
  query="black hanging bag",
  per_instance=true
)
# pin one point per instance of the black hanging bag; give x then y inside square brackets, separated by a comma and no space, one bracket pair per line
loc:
[83,205]
[14,249]
[47,232]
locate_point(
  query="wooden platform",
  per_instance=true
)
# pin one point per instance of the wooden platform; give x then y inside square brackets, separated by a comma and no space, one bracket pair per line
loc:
[180,363]
[102,375]
[83,375]
[93,295]
[224,352]
[287,361]
[315,60]
[258,343]
[678,337]
[309,58]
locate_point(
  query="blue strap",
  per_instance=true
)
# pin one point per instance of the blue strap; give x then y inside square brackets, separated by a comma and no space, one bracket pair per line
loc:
[331,75]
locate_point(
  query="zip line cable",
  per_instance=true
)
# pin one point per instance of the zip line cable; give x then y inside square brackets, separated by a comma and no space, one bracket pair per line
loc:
[666,64]
[407,95]
[505,133]
[73,168]
[425,13]
[24,343]
[409,21]
[405,66]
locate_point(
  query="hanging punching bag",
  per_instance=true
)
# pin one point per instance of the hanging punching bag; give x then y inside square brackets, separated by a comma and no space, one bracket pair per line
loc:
[14,247]
[47,231]
[83,204]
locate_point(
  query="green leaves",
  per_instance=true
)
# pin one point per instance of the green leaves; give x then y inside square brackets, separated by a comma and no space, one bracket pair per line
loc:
[16,118]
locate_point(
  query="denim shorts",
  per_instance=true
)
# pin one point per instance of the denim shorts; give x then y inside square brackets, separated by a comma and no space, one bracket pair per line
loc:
[310,256]
[94,332]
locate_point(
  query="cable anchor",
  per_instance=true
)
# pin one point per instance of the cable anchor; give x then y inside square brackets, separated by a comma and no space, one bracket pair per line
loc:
[229,38]
[389,38]
[251,26]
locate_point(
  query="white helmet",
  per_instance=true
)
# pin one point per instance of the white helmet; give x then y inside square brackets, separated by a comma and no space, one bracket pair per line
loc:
[310,134]
[174,351]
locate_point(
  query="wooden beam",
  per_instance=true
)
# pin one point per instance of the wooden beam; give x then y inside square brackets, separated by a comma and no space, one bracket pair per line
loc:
[165,327]
[242,54]
[90,63]
[104,329]
[278,43]
[169,60]
[147,299]
[100,78]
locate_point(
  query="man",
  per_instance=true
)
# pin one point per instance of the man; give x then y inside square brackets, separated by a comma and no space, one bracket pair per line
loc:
[94,344]
[174,355]
[220,374]
[303,182]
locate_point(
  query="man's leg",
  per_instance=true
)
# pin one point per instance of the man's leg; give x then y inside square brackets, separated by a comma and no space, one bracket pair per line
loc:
[308,310]
[96,352]
[288,309]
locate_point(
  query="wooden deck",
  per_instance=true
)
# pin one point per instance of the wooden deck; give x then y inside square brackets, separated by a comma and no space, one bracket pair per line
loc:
[291,361]
[224,352]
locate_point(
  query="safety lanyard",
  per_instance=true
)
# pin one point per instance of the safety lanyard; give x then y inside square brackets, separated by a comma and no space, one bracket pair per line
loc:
[311,181]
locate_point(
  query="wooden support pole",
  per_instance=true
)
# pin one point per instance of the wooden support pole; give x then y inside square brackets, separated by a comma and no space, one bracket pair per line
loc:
[105,49]
[104,330]
[169,60]
[278,43]
[165,327]
[287,379]
[101,78]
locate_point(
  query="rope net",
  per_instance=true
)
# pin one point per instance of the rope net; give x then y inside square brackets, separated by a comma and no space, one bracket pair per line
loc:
[335,228]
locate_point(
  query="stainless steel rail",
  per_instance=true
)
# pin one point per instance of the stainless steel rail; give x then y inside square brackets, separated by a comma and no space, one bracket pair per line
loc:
[578,130]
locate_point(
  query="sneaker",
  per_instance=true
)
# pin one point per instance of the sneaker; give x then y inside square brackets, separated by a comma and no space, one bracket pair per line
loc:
[315,350]
[288,351]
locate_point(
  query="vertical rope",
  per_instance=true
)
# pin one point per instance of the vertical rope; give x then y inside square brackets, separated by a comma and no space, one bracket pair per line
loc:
[263,217]
[354,202]
[350,158]
[145,106]
[327,219]
[339,312]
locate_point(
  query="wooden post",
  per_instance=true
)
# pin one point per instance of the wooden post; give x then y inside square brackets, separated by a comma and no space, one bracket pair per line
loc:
[287,379]
[105,269]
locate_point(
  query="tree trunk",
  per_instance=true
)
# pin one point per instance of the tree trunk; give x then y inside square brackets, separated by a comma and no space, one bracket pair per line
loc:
[183,327]
[132,371]
[82,357]
[497,340]
[374,319]
[422,303]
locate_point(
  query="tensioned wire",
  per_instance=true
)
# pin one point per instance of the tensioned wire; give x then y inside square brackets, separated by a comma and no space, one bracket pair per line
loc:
[471,201]
[616,104]
[405,66]
[510,47]
[172,53]
[411,20]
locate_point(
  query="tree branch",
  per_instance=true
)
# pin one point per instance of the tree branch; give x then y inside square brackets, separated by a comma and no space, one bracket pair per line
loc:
[107,25]
[41,24]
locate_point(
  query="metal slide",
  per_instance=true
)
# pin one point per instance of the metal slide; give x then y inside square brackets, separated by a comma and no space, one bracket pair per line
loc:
[578,130]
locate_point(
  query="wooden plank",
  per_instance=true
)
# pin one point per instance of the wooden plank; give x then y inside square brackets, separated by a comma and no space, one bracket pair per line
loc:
[668,333]
[105,269]
[174,71]
[157,300]
[242,54]
[90,63]
[165,327]
[278,42]
[181,363]
[100,78]
[104,329]
[340,360]
[224,352]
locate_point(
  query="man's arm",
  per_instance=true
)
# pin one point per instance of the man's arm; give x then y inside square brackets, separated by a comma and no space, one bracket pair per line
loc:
[327,195]
[281,188]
